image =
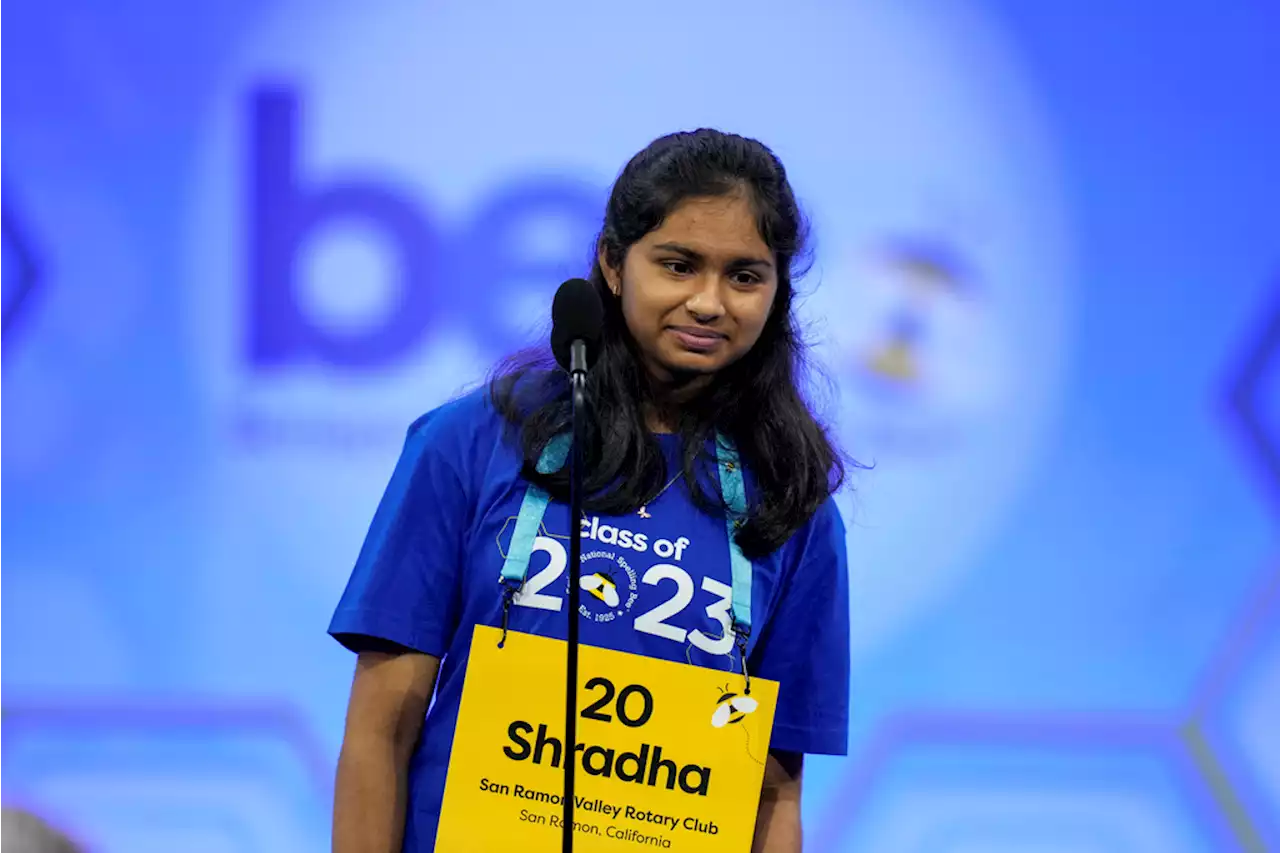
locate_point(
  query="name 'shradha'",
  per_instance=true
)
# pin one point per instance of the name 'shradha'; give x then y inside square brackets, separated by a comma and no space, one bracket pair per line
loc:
[646,767]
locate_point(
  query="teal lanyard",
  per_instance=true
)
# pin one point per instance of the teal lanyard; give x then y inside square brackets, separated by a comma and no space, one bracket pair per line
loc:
[534,506]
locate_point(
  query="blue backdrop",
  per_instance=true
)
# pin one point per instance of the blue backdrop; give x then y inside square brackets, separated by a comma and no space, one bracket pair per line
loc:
[245,244]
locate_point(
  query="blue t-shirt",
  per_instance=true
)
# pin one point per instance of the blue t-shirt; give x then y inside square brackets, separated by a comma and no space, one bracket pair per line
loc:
[428,573]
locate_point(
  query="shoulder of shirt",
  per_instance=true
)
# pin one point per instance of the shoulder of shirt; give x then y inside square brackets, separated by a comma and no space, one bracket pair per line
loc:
[828,517]
[823,533]
[461,422]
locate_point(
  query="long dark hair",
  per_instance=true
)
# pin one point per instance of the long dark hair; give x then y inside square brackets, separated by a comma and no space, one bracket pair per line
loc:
[757,401]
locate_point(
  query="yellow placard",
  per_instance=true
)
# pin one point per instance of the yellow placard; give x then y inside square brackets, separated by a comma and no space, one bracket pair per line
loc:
[671,756]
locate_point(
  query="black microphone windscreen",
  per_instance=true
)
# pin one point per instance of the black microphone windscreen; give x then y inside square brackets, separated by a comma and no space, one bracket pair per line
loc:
[576,313]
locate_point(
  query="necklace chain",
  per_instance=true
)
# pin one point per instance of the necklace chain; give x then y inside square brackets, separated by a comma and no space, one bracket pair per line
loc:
[643,512]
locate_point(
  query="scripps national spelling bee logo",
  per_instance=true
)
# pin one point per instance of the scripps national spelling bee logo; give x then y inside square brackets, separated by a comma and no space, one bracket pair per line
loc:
[608,584]
[927,361]
[923,278]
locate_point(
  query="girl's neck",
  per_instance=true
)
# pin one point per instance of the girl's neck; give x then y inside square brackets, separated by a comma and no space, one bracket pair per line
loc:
[667,399]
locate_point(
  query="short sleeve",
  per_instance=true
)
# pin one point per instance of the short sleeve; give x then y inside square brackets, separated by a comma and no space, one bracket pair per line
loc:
[405,586]
[805,644]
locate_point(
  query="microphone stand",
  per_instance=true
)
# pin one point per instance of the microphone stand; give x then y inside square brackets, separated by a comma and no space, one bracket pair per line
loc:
[578,381]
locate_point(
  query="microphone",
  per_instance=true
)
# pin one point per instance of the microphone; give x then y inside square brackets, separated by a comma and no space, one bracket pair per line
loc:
[577,321]
[577,324]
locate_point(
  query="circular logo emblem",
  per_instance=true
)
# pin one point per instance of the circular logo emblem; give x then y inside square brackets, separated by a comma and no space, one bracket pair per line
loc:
[608,586]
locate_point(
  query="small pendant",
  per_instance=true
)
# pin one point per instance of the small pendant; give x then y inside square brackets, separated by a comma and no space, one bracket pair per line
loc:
[643,512]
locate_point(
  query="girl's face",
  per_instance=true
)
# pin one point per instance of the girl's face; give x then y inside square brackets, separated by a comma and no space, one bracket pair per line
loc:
[697,290]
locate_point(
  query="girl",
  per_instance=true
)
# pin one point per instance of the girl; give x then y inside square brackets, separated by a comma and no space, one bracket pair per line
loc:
[694,265]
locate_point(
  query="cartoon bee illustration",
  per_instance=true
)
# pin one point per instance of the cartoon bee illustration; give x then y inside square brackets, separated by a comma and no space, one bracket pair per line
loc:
[732,708]
[602,586]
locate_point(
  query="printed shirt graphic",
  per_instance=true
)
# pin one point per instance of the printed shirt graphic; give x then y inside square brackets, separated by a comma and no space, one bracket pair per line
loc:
[656,586]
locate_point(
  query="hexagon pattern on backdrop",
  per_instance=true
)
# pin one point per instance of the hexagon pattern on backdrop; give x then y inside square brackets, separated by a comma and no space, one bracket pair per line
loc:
[20,270]
[957,782]
[1234,731]
[1254,398]
[203,778]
